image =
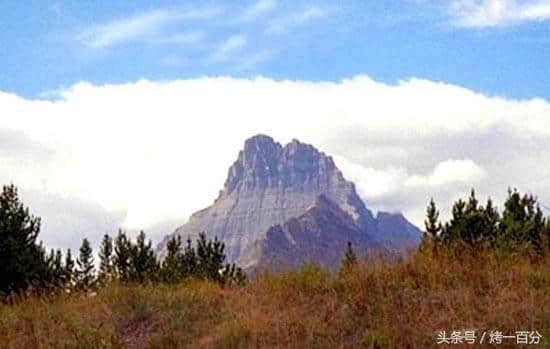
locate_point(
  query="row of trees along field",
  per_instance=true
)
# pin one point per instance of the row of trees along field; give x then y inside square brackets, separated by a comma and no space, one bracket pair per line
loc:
[25,264]
[521,227]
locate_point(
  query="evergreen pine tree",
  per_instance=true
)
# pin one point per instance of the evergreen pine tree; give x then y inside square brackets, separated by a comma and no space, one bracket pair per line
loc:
[106,259]
[68,270]
[188,260]
[512,226]
[473,230]
[350,259]
[522,224]
[85,264]
[231,274]
[535,229]
[471,224]
[452,230]
[58,269]
[210,263]
[48,279]
[143,260]
[433,226]
[171,268]
[210,257]
[121,259]
[492,219]
[22,260]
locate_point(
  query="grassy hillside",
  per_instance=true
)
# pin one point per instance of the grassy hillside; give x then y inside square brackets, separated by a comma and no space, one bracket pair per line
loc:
[377,304]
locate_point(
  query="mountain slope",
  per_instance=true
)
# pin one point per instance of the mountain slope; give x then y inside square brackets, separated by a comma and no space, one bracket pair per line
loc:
[395,232]
[319,235]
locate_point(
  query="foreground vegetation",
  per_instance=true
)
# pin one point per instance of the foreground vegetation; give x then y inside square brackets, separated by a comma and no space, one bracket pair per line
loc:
[370,304]
[483,270]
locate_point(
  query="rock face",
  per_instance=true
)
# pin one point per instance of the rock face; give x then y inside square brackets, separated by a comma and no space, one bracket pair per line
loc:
[319,235]
[395,232]
[273,191]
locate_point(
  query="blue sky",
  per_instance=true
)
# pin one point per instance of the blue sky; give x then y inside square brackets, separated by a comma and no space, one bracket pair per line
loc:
[498,47]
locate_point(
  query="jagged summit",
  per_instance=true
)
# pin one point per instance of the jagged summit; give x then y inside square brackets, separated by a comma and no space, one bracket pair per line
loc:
[265,163]
[269,185]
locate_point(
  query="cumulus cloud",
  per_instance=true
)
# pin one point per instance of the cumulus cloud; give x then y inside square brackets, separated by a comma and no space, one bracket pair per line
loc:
[493,13]
[145,153]
[449,171]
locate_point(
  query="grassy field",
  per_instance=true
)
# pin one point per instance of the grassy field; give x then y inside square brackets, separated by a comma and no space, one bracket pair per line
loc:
[375,305]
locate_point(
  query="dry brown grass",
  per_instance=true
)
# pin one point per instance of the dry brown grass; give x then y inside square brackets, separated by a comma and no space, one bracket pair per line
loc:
[396,305]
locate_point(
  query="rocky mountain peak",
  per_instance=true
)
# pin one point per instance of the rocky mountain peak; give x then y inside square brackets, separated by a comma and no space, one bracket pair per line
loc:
[256,164]
[305,158]
[260,148]
[272,185]
[265,163]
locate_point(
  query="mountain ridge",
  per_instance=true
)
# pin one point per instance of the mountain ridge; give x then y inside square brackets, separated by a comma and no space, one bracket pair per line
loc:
[319,235]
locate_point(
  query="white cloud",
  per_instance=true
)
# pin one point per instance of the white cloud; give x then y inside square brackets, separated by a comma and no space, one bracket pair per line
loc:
[289,20]
[259,8]
[233,44]
[181,38]
[448,172]
[377,184]
[494,13]
[143,26]
[143,153]
[200,34]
